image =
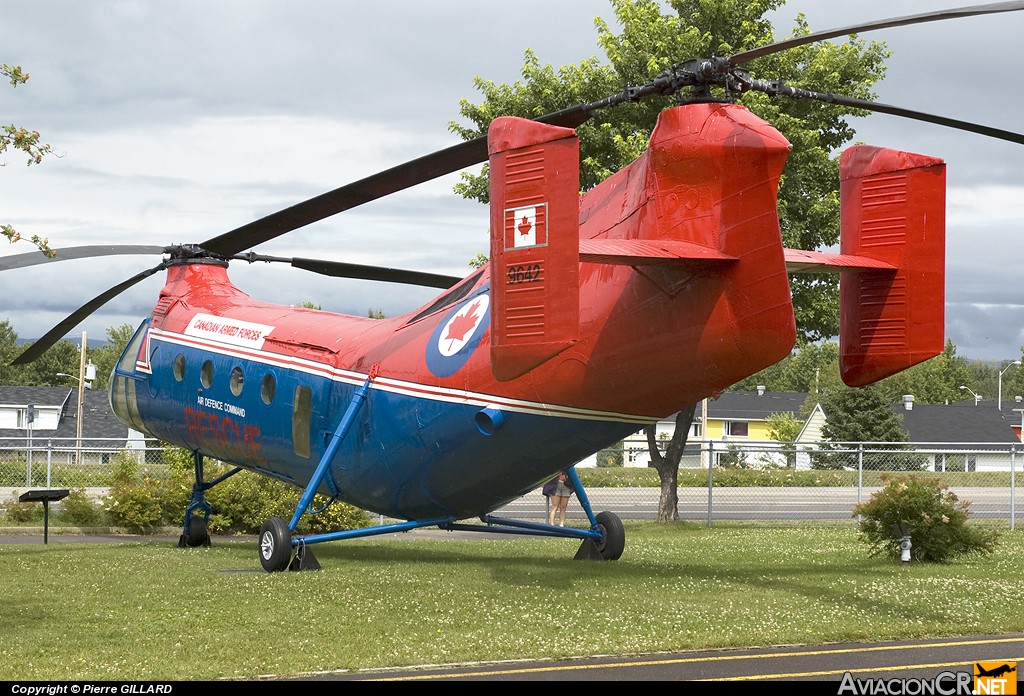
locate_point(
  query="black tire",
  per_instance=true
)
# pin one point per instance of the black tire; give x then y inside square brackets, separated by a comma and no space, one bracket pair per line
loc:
[198,534]
[613,536]
[275,545]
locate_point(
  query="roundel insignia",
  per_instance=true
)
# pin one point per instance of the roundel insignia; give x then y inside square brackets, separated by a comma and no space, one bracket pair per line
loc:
[457,335]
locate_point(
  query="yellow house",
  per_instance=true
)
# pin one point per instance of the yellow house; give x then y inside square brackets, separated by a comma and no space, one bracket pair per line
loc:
[737,426]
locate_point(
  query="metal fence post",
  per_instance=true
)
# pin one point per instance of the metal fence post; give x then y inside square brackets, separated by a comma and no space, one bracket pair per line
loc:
[49,461]
[711,467]
[860,472]
[1013,486]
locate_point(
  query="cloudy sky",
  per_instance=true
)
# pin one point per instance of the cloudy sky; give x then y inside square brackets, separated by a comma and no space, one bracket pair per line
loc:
[177,121]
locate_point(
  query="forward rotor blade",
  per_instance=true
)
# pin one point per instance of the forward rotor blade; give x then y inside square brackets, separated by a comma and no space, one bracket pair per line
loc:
[938,15]
[75,318]
[341,269]
[34,258]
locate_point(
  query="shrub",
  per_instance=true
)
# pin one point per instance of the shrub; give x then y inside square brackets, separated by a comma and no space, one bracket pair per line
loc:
[23,513]
[932,515]
[240,504]
[80,510]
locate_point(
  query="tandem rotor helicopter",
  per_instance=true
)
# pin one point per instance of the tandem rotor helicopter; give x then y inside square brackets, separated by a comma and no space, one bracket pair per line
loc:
[596,315]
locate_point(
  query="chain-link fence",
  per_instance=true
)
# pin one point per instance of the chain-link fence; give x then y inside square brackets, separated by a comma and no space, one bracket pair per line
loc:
[746,481]
[71,463]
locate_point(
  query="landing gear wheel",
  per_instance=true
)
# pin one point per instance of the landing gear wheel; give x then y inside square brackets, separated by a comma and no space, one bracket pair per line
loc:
[275,545]
[198,535]
[613,539]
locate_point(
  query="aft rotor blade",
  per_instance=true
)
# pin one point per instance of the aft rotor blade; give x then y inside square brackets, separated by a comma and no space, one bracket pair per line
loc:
[78,316]
[799,93]
[938,15]
[34,258]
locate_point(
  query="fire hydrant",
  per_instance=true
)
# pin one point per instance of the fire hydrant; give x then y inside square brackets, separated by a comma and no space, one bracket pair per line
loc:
[905,547]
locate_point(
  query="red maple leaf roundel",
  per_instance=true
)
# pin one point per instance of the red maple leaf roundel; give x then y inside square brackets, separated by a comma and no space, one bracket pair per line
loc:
[462,324]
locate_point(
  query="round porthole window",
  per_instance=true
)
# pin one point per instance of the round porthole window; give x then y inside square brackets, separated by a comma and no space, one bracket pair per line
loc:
[179,367]
[206,374]
[268,387]
[237,380]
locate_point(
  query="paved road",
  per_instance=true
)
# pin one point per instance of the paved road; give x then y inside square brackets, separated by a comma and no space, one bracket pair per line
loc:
[945,660]
[750,503]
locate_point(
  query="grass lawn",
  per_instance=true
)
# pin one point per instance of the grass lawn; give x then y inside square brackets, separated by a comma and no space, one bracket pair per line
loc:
[152,611]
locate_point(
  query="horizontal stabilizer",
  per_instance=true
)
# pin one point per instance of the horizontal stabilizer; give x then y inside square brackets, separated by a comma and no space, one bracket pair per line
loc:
[800,261]
[645,252]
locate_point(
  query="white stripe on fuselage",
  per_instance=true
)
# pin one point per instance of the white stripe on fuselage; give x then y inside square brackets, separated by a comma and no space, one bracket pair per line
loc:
[395,386]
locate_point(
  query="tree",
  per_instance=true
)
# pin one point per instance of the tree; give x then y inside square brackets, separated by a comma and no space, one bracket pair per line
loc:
[862,414]
[811,368]
[106,356]
[652,41]
[28,142]
[865,414]
[934,381]
[9,350]
[785,427]
[667,465]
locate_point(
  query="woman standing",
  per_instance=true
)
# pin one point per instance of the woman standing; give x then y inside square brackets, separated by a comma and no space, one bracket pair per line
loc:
[558,490]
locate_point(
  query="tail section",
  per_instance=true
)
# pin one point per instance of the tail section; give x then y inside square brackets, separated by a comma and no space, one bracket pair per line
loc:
[892,262]
[535,244]
[893,210]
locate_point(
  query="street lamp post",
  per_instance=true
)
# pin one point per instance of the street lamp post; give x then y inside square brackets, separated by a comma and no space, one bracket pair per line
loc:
[1015,362]
[977,397]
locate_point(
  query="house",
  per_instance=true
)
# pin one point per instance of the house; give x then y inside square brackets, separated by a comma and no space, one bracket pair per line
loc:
[737,429]
[966,435]
[48,417]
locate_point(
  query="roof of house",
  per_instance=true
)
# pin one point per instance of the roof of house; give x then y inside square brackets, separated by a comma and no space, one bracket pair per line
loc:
[40,396]
[752,405]
[99,421]
[960,422]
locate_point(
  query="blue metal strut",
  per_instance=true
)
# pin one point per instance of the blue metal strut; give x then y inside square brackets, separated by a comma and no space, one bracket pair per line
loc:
[358,399]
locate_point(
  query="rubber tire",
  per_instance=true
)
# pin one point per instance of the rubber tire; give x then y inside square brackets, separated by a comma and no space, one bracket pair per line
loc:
[198,534]
[613,536]
[275,545]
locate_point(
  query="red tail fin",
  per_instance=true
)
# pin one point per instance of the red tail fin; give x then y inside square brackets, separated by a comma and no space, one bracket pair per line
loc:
[534,171]
[893,210]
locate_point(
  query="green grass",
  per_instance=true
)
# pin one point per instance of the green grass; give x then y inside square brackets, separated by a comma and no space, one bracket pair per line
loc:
[152,611]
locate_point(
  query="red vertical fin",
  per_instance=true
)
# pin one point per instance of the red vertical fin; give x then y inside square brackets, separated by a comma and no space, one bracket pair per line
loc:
[534,172]
[894,210]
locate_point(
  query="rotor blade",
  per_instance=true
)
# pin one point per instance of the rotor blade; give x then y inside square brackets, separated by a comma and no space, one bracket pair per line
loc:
[772,88]
[341,269]
[60,330]
[34,258]
[384,183]
[938,15]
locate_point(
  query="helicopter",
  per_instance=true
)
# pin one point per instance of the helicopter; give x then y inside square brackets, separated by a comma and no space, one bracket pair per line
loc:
[595,315]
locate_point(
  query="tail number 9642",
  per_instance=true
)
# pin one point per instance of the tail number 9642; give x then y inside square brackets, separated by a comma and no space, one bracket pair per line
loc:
[523,274]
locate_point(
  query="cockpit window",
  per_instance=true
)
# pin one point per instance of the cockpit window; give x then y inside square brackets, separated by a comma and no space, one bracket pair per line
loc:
[451,297]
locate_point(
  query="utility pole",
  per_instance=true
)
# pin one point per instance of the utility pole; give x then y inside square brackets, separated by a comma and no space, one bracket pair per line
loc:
[81,400]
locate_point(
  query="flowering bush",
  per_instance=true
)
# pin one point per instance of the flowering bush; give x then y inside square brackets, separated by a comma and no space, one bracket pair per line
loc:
[927,511]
